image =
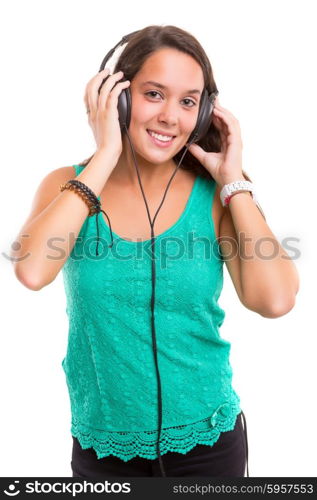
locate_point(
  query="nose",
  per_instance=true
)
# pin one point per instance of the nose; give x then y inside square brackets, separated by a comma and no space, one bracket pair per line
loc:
[168,113]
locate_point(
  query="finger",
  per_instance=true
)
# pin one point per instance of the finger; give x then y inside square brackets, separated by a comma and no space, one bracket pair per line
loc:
[115,92]
[224,112]
[228,121]
[107,87]
[88,98]
[91,95]
[229,130]
[198,152]
[220,125]
[218,122]
[223,132]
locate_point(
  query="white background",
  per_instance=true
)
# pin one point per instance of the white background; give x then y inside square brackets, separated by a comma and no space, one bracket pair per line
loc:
[263,58]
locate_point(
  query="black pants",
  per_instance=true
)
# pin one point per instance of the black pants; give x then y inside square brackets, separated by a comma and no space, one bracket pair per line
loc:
[227,457]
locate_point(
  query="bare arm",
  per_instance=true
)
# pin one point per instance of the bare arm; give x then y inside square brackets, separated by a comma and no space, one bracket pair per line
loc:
[263,274]
[56,214]
[59,214]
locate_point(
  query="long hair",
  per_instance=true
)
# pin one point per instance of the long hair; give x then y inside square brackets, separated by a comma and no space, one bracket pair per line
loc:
[144,43]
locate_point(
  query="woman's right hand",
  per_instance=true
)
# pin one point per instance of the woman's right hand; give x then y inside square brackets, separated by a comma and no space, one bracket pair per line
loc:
[103,116]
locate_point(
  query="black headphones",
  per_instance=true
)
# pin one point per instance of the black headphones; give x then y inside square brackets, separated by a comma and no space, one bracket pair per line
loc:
[201,128]
[125,101]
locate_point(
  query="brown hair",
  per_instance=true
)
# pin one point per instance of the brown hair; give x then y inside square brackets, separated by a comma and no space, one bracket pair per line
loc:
[152,38]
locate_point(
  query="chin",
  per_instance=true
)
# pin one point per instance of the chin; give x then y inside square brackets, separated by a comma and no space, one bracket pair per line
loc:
[152,156]
[155,159]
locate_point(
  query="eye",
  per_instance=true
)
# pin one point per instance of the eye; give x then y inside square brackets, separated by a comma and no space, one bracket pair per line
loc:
[193,103]
[190,100]
[152,92]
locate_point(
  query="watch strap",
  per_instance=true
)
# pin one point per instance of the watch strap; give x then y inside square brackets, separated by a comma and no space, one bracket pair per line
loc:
[232,187]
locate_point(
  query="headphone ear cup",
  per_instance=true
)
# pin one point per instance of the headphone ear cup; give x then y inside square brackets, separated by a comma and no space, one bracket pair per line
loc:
[124,108]
[204,118]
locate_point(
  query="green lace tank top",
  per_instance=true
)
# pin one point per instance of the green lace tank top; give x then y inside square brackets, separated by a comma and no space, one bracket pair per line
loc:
[109,364]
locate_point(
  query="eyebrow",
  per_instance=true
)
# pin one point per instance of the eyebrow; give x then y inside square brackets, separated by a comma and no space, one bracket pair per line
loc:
[163,87]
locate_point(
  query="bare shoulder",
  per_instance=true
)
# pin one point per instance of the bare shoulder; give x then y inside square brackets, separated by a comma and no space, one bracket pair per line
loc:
[48,189]
[62,173]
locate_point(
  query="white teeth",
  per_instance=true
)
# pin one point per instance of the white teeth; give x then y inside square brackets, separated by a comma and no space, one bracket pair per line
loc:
[164,138]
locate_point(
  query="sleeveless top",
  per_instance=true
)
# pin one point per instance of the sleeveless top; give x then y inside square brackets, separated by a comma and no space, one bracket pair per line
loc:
[109,364]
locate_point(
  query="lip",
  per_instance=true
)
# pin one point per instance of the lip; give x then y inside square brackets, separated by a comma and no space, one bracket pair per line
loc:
[160,132]
[159,143]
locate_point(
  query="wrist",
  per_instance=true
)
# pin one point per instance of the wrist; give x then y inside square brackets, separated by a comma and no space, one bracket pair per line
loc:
[229,198]
[107,156]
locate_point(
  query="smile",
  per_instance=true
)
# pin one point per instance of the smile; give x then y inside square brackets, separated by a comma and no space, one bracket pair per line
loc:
[160,140]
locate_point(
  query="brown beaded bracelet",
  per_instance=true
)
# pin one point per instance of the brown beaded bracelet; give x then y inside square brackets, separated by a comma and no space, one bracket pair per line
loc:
[91,200]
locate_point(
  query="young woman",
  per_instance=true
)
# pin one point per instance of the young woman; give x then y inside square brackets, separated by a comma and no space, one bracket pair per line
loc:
[120,374]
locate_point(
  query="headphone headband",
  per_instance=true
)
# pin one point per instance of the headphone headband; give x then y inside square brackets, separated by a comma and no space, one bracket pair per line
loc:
[123,40]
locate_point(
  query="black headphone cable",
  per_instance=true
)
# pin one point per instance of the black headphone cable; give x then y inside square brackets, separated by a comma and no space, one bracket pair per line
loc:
[153,286]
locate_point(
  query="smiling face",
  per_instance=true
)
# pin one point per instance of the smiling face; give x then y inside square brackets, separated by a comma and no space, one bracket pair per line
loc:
[165,97]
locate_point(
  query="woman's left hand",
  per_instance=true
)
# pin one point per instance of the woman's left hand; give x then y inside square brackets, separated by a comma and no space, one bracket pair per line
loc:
[225,166]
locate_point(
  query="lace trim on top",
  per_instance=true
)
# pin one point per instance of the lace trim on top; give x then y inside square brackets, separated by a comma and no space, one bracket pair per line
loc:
[181,439]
